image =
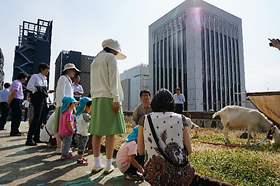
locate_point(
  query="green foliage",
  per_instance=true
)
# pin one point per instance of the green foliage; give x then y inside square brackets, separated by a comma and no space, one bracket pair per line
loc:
[238,166]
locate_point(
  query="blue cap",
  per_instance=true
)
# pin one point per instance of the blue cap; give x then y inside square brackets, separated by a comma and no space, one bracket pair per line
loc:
[133,135]
[82,103]
[65,101]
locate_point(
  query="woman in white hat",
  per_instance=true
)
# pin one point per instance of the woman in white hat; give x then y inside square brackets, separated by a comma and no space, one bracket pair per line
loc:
[107,94]
[63,88]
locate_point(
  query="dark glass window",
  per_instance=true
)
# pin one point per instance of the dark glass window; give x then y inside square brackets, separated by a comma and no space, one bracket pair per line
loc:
[222,71]
[208,70]
[185,68]
[165,63]
[157,79]
[179,59]
[218,71]
[226,70]
[230,71]
[238,72]
[234,72]
[170,62]
[161,65]
[154,68]
[213,70]
[203,69]
[174,62]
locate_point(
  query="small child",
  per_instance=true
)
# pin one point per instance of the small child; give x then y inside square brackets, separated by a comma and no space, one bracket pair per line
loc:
[66,126]
[128,160]
[25,105]
[83,119]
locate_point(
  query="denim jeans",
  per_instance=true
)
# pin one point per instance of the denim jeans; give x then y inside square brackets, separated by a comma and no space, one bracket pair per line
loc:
[66,143]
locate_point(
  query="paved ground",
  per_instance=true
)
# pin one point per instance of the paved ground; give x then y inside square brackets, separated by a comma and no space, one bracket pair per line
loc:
[39,165]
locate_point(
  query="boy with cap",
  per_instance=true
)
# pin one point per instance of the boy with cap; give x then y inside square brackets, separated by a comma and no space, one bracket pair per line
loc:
[82,135]
[128,161]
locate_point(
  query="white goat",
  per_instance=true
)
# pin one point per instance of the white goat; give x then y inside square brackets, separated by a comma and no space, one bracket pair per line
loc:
[192,125]
[251,119]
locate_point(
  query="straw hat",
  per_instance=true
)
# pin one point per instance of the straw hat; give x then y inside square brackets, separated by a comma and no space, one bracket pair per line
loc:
[114,45]
[70,66]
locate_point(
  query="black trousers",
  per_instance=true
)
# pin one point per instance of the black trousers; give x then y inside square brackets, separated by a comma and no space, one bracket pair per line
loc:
[16,115]
[34,129]
[5,112]
[179,108]
[132,169]
[25,114]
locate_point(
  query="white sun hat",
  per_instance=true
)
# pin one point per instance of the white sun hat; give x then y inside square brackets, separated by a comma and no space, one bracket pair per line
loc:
[70,66]
[114,44]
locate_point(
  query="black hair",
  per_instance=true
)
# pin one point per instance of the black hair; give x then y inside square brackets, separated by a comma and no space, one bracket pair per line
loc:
[76,76]
[43,66]
[7,85]
[145,91]
[107,49]
[21,75]
[163,101]
[88,104]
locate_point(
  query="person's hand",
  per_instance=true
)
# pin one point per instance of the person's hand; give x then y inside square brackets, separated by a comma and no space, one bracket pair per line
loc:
[116,107]
[133,124]
[141,171]
[8,104]
[275,43]
[51,91]
[73,131]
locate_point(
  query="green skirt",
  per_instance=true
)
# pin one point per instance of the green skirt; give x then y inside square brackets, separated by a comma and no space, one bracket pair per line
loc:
[56,119]
[103,120]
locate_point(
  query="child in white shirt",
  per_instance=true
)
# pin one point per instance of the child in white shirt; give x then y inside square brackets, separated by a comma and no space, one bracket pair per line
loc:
[82,135]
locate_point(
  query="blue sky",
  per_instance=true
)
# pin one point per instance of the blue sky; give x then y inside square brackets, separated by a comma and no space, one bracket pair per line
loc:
[83,25]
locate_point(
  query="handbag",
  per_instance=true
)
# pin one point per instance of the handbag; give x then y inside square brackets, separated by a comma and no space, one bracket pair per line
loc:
[159,148]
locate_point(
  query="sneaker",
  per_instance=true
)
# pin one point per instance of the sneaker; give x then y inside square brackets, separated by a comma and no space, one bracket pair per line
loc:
[70,150]
[90,152]
[136,176]
[58,151]
[97,169]
[108,170]
[82,162]
[69,156]
[86,150]
[85,159]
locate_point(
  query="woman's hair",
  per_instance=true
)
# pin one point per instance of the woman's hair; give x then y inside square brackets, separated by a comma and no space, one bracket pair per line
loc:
[43,66]
[163,101]
[21,75]
[107,49]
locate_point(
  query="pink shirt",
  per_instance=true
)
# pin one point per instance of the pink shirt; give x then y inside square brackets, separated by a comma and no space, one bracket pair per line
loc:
[63,127]
[127,149]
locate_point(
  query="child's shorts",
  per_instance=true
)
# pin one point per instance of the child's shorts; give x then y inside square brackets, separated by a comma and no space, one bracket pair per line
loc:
[81,142]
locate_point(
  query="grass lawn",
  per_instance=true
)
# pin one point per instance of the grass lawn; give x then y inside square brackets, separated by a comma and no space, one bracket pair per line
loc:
[257,165]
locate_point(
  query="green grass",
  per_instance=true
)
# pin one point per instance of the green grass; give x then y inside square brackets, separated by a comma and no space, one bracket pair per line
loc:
[237,166]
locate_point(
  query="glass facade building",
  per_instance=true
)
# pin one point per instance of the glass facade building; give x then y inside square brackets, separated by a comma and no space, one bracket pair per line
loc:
[199,48]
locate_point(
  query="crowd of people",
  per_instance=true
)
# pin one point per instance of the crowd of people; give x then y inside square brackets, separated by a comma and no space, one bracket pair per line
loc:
[159,136]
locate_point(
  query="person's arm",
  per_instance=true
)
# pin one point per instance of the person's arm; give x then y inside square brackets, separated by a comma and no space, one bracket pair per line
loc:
[70,127]
[184,100]
[113,81]
[31,84]
[187,140]
[140,140]
[11,97]
[135,117]
[60,88]
[135,164]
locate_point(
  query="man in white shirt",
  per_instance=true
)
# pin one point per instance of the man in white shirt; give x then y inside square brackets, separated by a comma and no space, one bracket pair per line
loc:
[4,95]
[78,89]
[38,86]
[179,100]
[25,105]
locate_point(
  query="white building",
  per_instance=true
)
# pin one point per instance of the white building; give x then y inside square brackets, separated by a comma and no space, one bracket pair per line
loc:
[133,81]
[199,48]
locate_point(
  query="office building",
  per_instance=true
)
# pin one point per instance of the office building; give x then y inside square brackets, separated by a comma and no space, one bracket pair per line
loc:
[133,81]
[198,47]
[82,62]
